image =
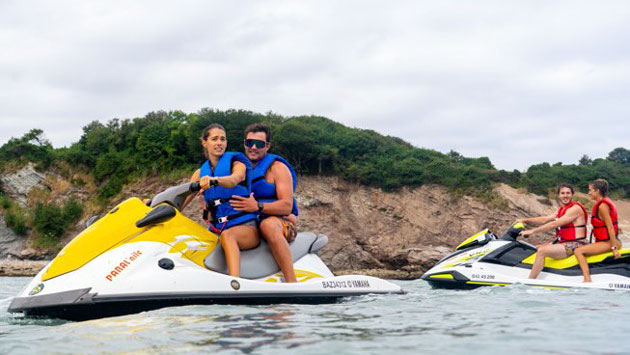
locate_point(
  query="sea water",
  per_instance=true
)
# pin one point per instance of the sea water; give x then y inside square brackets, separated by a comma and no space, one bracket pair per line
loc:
[490,320]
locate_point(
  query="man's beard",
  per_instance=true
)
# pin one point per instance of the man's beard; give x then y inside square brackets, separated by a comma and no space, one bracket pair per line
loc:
[260,157]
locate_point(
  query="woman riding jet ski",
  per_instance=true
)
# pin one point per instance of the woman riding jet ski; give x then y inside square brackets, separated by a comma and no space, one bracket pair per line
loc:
[140,257]
[487,260]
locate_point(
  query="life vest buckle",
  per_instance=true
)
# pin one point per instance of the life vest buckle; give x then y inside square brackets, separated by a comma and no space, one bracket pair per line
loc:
[222,219]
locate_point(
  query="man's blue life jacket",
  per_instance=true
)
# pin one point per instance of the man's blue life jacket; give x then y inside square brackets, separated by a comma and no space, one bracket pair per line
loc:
[218,197]
[263,190]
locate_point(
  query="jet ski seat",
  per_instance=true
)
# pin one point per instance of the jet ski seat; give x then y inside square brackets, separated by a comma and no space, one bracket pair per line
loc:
[259,262]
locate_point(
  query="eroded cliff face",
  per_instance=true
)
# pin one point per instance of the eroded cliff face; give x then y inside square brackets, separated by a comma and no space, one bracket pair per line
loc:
[19,184]
[393,234]
[400,234]
[389,234]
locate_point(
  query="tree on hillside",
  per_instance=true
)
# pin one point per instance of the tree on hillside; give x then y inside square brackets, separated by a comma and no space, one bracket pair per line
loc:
[326,153]
[585,160]
[620,155]
[455,156]
[32,146]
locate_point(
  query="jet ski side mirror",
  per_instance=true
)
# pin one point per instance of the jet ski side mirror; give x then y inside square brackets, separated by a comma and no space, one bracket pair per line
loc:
[481,238]
[157,215]
[92,219]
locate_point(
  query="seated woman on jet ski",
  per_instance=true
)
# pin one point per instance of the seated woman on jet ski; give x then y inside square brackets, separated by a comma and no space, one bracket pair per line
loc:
[570,225]
[605,230]
[222,176]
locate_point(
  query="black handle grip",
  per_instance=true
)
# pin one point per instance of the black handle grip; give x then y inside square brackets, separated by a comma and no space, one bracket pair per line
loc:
[194,186]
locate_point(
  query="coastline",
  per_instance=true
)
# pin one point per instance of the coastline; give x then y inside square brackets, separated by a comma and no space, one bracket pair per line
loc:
[17,267]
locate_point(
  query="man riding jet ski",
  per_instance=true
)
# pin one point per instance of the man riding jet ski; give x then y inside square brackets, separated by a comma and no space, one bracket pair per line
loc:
[140,257]
[487,260]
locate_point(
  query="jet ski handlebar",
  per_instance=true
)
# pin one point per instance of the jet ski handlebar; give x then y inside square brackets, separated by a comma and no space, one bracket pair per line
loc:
[513,232]
[176,195]
[195,186]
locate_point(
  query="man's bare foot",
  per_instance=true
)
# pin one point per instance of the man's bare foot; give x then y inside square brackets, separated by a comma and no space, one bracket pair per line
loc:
[587,279]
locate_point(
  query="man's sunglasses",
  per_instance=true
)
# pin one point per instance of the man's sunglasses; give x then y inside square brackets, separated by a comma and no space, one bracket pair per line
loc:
[255,142]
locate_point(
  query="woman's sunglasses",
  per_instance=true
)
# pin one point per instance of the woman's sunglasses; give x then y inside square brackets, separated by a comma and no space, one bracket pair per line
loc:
[255,142]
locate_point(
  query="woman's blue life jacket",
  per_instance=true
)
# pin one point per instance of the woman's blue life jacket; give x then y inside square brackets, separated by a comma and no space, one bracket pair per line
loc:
[217,198]
[265,191]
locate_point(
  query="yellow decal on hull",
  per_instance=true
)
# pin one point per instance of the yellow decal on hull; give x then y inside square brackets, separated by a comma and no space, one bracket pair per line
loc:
[442,276]
[572,261]
[300,275]
[118,228]
[471,256]
[486,283]
[472,238]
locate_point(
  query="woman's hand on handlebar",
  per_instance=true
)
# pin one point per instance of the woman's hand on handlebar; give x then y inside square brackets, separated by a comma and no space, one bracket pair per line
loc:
[207,181]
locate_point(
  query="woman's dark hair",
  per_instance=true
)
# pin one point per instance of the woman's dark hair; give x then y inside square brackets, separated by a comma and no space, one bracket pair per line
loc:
[562,186]
[601,185]
[259,127]
[206,133]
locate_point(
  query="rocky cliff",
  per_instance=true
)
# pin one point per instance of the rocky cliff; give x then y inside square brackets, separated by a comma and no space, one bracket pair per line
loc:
[390,234]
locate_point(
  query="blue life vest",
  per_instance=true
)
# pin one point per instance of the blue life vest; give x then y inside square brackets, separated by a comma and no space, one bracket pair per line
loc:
[265,191]
[217,197]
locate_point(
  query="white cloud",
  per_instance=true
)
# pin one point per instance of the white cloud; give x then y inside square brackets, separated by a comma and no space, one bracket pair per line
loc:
[521,83]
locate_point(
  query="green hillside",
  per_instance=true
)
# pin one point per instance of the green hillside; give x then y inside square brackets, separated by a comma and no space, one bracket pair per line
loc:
[117,151]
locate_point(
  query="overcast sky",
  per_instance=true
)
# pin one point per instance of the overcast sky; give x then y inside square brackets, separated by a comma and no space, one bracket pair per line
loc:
[519,82]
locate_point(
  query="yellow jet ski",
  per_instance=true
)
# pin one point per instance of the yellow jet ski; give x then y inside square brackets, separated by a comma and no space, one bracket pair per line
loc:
[139,257]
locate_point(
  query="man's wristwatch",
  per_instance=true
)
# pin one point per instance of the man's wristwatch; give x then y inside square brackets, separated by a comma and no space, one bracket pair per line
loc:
[260,206]
[214,182]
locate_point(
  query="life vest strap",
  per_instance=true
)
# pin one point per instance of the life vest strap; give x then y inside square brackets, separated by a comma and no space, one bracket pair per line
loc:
[217,202]
[231,217]
[614,224]
[211,207]
[571,240]
[569,227]
[258,178]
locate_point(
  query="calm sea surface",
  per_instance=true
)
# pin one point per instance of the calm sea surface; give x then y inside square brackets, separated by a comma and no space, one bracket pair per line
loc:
[515,320]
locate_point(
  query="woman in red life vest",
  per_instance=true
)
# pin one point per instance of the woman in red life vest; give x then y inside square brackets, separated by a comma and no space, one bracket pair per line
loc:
[570,225]
[605,230]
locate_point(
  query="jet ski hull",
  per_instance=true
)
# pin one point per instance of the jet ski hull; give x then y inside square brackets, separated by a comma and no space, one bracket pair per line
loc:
[506,261]
[53,306]
[138,258]
[92,292]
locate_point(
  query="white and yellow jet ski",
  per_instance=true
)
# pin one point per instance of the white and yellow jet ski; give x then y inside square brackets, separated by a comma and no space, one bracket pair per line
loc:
[487,260]
[140,257]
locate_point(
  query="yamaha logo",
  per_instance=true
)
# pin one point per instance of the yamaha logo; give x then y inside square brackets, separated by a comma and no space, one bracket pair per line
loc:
[235,285]
[37,289]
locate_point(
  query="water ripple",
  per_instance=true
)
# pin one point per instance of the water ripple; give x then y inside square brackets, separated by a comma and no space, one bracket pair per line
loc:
[517,319]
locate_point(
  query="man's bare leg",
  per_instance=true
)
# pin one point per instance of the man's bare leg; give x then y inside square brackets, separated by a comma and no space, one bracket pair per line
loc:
[233,241]
[555,251]
[271,230]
